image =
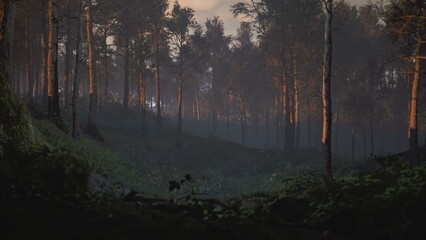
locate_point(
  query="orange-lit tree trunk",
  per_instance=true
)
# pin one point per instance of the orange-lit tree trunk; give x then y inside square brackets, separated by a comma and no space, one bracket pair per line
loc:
[413,125]
[93,90]
[52,63]
[326,90]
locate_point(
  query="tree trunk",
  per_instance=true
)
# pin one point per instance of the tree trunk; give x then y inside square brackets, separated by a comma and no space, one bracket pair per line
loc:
[106,86]
[52,63]
[364,133]
[126,75]
[29,67]
[214,114]
[228,120]
[77,75]
[36,64]
[142,96]
[7,37]
[92,129]
[157,85]
[68,55]
[296,114]
[336,133]
[413,126]
[371,128]
[180,98]
[242,121]
[45,46]
[309,122]
[277,119]
[326,90]
[267,126]
[353,141]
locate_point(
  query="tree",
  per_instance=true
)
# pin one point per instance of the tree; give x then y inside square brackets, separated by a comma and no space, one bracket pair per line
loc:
[217,45]
[156,27]
[405,21]
[92,128]
[7,34]
[77,74]
[326,89]
[182,19]
[52,63]
[16,131]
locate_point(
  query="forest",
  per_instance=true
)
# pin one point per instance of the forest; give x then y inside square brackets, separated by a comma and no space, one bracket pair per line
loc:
[137,119]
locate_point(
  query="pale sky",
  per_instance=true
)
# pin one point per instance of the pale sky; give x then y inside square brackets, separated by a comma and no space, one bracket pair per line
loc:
[209,8]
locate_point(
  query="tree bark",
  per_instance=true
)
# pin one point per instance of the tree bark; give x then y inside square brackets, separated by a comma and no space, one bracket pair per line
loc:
[92,128]
[28,46]
[77,75]
[413,125]
[180,97]
[45,47]
[157,85]
[326,90]
[7,36]
[52,63]
[106,73]
[68,55]
[126,75]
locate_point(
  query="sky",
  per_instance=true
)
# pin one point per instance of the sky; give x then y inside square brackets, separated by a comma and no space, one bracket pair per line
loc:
[209,8]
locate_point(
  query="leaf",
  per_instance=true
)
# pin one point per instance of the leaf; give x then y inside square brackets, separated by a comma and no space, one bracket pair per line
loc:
[174,185]
[189,178]
[218,209]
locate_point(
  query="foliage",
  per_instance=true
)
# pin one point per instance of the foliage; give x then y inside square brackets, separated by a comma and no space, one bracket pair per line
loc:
[387,198]
[17,133]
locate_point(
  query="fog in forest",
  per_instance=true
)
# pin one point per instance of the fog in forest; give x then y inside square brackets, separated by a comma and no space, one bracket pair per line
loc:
[220,109]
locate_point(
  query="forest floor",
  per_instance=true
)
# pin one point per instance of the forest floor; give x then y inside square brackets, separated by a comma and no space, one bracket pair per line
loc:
[135,187]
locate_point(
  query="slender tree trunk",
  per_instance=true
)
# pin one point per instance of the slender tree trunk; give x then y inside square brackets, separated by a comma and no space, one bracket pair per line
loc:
[157,85]
[309,122]
[214,114]
[18,79]
[77,74]
[93,90]
[68,56]
[371,128]
[126,75]
[106,87]
[142,95]
[296,115]
[336,133]
[267,127]
[228,120]
[353,141]
[36,63]
[45,46]
[364,133]
[242,121]
[277,118]
[180,97]
[326,90]
[28,46]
